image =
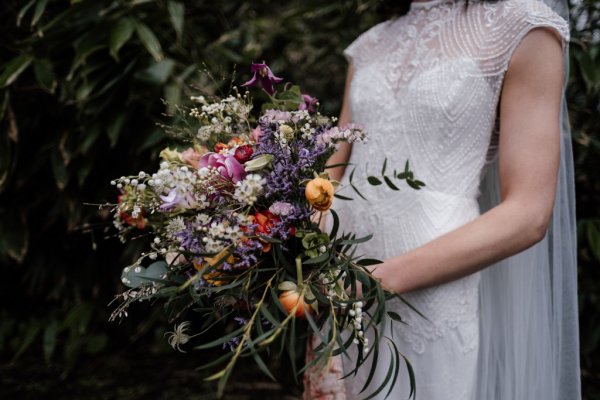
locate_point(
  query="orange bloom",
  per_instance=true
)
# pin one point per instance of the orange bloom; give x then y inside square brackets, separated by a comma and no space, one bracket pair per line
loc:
[319,194]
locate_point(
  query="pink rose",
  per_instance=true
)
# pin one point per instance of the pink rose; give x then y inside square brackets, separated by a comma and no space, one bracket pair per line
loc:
[191,157]
[227,165]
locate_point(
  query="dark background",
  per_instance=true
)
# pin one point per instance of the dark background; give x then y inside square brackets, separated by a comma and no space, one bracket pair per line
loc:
[81,84]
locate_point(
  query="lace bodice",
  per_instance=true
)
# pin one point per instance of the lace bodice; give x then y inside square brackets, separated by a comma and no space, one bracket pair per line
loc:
[426,86]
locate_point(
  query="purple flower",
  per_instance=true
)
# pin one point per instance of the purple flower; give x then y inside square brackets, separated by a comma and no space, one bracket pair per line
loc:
[276,115]
[281,208]
[226,164]
[264,75]
[175,199]
[309,103]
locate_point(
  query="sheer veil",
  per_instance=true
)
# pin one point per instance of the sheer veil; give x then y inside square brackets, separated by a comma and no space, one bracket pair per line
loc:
[528,302]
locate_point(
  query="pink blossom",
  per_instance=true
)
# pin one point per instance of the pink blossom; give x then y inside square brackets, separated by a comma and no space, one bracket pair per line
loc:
[226,164]
[256,133]
[309,103]
[191,157]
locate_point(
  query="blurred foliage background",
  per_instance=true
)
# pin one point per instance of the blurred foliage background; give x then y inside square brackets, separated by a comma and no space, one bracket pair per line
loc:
[81,84]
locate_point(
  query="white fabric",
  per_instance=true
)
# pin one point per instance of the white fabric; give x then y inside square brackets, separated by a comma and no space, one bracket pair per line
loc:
[426,87]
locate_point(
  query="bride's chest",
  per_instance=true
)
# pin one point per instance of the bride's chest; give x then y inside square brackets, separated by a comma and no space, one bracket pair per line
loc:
[429,86]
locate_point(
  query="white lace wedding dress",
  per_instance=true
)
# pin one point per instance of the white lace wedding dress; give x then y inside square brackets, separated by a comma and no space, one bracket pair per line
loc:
[426,87]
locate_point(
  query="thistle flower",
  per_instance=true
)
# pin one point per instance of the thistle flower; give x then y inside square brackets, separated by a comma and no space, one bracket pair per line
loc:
[179,336]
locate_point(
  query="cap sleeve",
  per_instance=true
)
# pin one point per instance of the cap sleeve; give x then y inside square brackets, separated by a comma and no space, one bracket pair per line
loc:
[358,51]
[526,16]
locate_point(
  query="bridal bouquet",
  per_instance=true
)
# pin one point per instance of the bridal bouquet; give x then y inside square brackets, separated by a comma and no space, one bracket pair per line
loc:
[233,214]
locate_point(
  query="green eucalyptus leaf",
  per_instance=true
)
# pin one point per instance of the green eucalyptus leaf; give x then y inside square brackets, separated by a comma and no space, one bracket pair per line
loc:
[390,184]
[287,285]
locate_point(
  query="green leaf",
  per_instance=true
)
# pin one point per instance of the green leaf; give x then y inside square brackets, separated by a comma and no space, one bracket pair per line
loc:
[176,15]
[33,328]
[259,361]
[95,343]
[114,128]
[149,40]
[89,137]
[593,237]
[40,7]
[50,334]
[14,235]
[172,96]
[395,316]
[336,224]
[221,340]
[119,35]
[157,74]
[23,11]
[390,184]
[44,74]
[384,167]
[61,175]
[339,196]
[153,138]
[8,138]
[14,68]
[354,187]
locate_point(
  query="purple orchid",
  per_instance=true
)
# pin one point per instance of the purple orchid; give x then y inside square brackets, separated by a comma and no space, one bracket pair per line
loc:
[226,164]
[309,103]
[264,75]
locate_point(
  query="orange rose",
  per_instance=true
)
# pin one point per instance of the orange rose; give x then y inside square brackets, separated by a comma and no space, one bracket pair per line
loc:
[319,193]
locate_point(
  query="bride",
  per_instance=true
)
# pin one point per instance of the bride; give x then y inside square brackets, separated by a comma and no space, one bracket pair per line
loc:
[473,95]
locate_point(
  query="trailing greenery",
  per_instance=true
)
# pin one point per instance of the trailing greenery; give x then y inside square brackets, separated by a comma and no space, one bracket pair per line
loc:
[81,84]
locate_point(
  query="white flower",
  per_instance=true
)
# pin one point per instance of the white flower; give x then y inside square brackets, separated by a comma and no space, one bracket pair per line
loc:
[175,226]
[248,190]
[179,336]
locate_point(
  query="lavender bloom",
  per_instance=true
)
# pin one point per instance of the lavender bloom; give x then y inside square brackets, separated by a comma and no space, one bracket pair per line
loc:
[264,75]
[281,208]
[226,164]
[309,103]
[283,182]
[276,115]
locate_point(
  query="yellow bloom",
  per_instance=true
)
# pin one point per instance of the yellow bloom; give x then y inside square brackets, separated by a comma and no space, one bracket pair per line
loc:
[287,132]
[319,193]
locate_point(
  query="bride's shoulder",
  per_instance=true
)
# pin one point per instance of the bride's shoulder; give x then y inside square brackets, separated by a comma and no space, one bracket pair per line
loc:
[502,25]
[366,40]
[522,13]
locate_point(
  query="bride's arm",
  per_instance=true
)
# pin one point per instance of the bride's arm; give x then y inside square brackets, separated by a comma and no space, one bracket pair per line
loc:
[529,156]
[342,155]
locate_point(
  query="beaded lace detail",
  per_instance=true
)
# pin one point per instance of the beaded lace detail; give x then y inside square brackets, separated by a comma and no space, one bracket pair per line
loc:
[426,87]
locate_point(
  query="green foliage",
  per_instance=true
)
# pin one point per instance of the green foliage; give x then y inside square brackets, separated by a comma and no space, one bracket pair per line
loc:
[584,110]
[80,90]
